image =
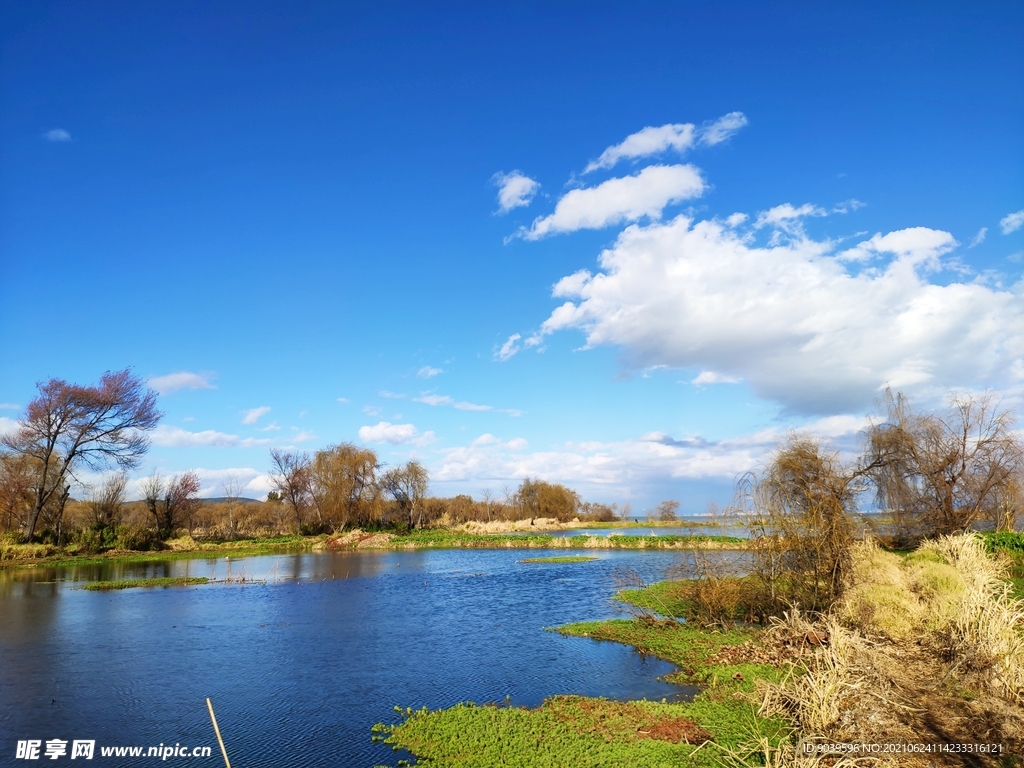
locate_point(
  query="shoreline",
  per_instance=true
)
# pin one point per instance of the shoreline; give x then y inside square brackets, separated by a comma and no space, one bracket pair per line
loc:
[186,548]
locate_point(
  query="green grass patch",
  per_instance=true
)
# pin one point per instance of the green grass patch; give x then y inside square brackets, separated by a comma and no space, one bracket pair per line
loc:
[575,730]
[170,581]
[560,559]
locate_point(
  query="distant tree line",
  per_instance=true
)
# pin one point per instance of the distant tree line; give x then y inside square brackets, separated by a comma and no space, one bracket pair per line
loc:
[68,428]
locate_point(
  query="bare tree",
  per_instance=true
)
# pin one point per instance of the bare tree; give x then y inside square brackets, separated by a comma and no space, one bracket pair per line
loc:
[172,502]
[487,495]
[232,486]
[106,504]
[939,473]
[407,486]
[68,425]
[668,510]
[290,474]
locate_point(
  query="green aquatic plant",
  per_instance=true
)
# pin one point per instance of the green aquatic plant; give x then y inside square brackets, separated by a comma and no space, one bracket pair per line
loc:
[170,581]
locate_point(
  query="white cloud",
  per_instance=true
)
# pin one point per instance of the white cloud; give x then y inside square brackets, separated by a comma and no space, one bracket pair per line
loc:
[430,398]
[253,415]
[391,395]
[509,348]
[372,410]
[396,434]
[617,200]
[426,372]
[786,216]
[172,382]
[301,436]
[917,246]
[271,427]
[723,128]
[8,426]
[792,320]
[646,142]
[343,400]
[979,238]
[514,190]
[736,219]
[1012,222]
[175,437]
[57,134]
[712,377]
[9,407]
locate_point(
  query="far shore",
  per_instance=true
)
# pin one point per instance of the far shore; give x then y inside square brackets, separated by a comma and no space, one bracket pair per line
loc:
[519,534]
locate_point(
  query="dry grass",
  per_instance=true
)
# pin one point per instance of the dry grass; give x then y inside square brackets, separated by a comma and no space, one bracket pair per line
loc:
[983,630]
[926,648]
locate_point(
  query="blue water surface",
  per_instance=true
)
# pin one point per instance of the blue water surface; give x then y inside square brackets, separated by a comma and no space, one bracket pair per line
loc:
[300,667]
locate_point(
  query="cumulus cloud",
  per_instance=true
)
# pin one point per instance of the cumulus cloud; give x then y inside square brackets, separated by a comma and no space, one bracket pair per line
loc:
[792,319]
[172,382]
[622,467]
[1012,222]
[629,198]
[253,415]
[426,372]
[396,434]
[514,190]
[8,426]
[979,238]
[175,437]
[57,134]
[719,130]
[646,142]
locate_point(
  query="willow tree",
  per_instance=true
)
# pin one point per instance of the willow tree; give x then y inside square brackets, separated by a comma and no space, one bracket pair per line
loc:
[68,426]
[800,509]
[407,485]
[940,473]
[343,486]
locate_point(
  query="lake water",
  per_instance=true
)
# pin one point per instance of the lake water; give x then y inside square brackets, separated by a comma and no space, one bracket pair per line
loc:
[301,667]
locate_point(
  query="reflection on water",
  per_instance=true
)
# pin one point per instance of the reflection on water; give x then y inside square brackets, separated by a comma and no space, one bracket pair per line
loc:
[301,664]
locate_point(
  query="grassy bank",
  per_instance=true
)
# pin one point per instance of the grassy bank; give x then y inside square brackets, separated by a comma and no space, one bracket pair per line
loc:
[19,555]
[448,539]
[14,554]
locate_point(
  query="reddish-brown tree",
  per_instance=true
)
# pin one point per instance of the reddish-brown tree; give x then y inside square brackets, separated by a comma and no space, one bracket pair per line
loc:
[69,425]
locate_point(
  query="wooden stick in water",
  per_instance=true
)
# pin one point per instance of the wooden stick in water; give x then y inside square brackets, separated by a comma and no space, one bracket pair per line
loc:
[216,730]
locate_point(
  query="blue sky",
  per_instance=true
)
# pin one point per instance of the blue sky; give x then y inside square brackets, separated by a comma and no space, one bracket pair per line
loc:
[288,217]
